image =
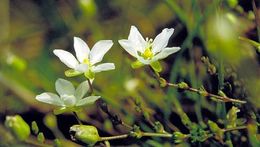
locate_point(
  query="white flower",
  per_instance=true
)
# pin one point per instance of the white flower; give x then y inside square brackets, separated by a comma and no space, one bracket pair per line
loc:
[68,97]
[148,51]
[86,59]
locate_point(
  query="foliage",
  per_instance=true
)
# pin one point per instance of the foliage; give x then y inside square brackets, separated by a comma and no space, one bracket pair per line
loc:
[205,94]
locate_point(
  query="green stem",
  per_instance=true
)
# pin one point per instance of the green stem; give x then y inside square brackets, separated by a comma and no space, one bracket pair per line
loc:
[144,134]
[207,94]
[235,128]
[126,125]
[91,89]
[150,134]
[77,117]
[114,137]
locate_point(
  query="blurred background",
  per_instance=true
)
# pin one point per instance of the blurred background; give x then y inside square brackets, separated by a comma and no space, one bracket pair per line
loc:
[32,29]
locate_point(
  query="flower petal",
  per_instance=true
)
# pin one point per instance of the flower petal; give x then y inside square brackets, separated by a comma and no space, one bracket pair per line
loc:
[81,48]
[128,46]
[69,100]
[81,68]
[103,67]
[66,57]
[81,90]
[50,98]
[144,61]
[137,39]
[166,52]
[64,87]
[99,50]
[87,100]
[161,40]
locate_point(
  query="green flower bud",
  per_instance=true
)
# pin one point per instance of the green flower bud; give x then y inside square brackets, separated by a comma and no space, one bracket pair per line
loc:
[215,129]
[183,85]
[19,128]
[35,128]
[40,137]
[179,137]
[203,93]
[232,117]
[163,82]
[232,3]
[84,133]
[136,132]
[159,127]
[221,93]
[50,121]
[213,126]
[57,143]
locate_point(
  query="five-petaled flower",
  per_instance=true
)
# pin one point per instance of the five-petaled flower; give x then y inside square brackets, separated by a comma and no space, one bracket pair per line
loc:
[86,59]
[148,51]
[69,98]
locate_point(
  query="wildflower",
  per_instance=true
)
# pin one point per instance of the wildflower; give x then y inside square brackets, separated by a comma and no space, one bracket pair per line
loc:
[18,127]
[69,98]
[148,51]
[86,59]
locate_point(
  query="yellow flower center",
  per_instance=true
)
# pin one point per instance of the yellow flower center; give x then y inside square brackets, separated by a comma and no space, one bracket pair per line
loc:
[148,54]
[86,61]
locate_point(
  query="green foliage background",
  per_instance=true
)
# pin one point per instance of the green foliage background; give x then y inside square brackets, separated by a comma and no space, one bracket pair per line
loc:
[31,29]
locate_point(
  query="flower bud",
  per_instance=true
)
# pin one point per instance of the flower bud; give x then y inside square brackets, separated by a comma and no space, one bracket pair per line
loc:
[50,121]
[84,133]
[179,137]
[57,143]
[136,132]
[19,128]
[232,117]
[41,137]
[219,134]
[163,82]
[35,128]
[183,85]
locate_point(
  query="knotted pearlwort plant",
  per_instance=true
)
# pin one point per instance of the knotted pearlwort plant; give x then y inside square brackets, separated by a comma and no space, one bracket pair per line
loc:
[147,52]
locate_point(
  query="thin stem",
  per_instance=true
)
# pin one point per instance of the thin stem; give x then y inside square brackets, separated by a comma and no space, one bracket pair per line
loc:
[107,143]
[126,125]
[91,90]
[149,134]
[77,117]
[207,94]
[164,135]
[143,134]
[114,137]
[236,128]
